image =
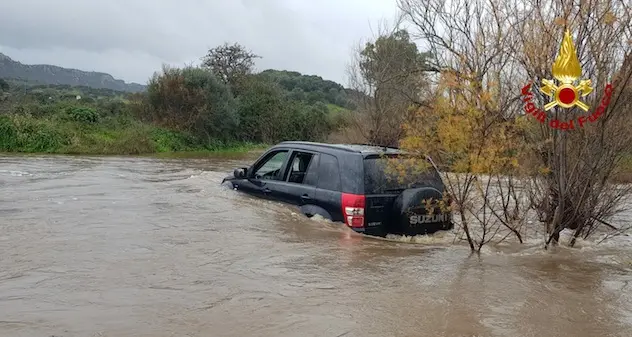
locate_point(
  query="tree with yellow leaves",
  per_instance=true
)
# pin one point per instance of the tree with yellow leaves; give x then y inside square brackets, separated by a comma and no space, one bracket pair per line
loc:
[476,129]
[467,134]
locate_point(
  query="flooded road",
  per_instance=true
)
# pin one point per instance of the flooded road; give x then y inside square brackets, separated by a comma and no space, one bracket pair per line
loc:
[154,247]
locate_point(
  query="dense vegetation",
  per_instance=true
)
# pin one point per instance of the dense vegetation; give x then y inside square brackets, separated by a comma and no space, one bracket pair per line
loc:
[311,89]
[460,104]
[183,109]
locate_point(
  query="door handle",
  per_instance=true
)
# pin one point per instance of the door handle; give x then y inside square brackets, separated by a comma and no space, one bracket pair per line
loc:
[305,197]
[266,190]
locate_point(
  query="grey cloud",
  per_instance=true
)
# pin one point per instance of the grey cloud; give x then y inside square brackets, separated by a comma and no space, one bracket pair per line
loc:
[132,38]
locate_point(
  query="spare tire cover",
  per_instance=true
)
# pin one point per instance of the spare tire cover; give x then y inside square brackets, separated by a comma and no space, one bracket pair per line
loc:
[414,201]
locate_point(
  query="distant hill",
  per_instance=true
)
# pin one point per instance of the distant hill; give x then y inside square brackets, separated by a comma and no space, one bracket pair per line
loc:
[44,74]
[310,88]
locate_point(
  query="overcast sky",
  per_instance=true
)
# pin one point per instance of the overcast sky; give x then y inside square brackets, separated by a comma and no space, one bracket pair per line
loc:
[131,39]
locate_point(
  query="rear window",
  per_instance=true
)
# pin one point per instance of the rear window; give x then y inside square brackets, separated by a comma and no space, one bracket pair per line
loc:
[378,179]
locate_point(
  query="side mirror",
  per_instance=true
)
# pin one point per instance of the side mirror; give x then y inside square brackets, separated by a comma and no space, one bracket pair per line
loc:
[240,173]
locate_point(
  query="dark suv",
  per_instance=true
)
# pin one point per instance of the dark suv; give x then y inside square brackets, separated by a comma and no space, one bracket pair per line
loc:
[347,183]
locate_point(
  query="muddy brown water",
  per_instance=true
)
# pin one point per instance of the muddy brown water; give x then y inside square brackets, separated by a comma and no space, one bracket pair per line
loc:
[117,247]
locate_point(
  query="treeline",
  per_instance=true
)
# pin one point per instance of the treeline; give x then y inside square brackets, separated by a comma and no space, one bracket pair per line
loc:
[221,103]
[311,89]
[255,108]
[44,94]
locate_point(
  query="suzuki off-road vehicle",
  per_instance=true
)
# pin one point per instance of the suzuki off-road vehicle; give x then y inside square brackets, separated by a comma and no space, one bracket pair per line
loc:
[349,184]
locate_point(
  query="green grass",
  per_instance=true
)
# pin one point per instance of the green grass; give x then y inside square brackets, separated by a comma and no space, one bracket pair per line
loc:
[25,134]
[336,111]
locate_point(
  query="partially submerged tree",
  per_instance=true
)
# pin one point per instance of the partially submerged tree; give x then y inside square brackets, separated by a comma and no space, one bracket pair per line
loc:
[468,135]
[487,51]
[469,128]
[577,193]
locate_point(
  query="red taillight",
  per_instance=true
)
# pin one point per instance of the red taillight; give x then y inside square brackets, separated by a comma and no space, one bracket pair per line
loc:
[353,209]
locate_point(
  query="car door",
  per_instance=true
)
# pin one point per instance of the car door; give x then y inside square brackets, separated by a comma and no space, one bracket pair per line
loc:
[329,186]
[299,180]
[268,169]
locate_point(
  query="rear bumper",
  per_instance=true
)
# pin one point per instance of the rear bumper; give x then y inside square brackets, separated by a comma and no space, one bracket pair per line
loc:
[423,229]
[405,227]
[426,229]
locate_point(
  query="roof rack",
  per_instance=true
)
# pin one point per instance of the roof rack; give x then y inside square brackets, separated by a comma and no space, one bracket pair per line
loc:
[348,147]
[325,145]
[375,145]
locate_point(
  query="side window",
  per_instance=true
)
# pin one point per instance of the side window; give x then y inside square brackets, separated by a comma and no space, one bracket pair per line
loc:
[270,168]
[311,177]
[328,173]
[300,165]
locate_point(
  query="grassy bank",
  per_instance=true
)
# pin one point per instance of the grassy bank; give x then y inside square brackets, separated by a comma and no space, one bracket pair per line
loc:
[184,112]
[114,136]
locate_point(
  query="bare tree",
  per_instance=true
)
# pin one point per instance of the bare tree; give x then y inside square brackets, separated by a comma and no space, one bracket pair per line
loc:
[493,48]
[230,63]
[472,130]
[577,193]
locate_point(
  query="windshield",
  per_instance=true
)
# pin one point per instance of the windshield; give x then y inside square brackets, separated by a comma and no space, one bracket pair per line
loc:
[378,179]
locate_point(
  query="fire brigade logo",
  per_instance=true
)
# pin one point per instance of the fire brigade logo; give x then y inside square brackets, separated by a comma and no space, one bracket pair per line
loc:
[568,91]
[566,70]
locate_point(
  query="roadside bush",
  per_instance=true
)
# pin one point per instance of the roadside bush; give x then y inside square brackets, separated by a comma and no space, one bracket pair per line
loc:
[8,134]
[317,122]
[113,108]
[260,107]
[171,141]
[98,140]
[133,141]
[194,100]
[268,115]
[82,114]
[33,109]
[28,134]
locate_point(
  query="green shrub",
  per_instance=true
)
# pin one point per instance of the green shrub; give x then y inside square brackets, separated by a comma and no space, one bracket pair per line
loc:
[8,134]
[192,99]
[183,110]
[171,141]
[82,115]
[27,134]
[133,141]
